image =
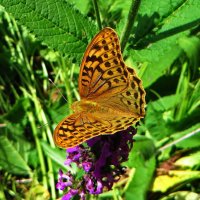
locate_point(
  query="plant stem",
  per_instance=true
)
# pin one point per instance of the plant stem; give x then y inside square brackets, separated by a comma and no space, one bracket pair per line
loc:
[129,24]
[65,77]
[179,140]
[39,149]
[96,8]
[50,176]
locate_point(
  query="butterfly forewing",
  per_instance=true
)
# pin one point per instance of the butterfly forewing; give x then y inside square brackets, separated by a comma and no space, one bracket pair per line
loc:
[102,70]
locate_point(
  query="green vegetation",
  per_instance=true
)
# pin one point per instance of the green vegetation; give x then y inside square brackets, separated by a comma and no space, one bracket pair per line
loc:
[42,40]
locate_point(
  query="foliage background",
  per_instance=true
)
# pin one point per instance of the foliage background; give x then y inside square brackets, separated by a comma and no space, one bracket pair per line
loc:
[46,39]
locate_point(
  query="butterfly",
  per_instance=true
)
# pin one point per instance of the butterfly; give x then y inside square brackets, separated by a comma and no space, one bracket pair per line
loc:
[112,95]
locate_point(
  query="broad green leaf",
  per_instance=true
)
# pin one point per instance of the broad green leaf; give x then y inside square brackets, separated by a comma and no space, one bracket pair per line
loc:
[56,23]
[20,108]
[140,183]
[11,160]
[173,179]
[160,48]
[159,116]
[83,6]
[142,158]
[191,46]
[59,156]
[194,101]
[152,15]
[144,147]
[156,58]
[190,137]
[191,161]
[182,195]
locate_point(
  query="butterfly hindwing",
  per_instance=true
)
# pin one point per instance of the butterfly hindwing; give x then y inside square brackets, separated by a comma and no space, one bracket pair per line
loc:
[131,100]
[78,128]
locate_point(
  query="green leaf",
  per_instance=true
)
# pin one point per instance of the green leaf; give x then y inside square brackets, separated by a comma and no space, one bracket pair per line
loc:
[182,195]
[156,58]
[174,179]
[191,46]
[159,116]
[191,137]
[162,42]
[59,156]
[139,185]
[20,107]
[83,6]
[56,23]
[152,14]
[190,161]
[142,158]
[11,160]
[144,147]
[194,100]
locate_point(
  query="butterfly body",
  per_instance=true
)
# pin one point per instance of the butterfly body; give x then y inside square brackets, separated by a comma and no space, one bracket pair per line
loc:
[112,96]
[98,110]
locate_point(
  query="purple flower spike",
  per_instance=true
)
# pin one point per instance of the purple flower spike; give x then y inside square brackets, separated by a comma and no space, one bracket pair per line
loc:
[64,181]
[70,194]
[73,149]
[94,187]
[74,154]
[87,166]
[68,162]
[99,188]
[101,162]
[82,195]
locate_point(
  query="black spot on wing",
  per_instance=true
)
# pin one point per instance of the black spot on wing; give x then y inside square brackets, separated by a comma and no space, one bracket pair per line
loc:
[119,70]
[103,41]
[106,48]
[110,73]
[107,64]
[136,95]
[96,47]
[133,85]
[116,80]
[105,55]
[128,102]
[115,61]
[128,93]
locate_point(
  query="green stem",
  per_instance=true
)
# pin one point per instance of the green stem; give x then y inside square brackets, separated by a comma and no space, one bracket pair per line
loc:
[45,134]
[51,178]
[129,24]
[182,92]
[39,149]
[65,77]
[179,140]
[29,90]
[2,194]
[96,8]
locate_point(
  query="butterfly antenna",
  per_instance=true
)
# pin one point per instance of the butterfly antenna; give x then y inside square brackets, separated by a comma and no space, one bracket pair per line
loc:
[58,89]
[42,125]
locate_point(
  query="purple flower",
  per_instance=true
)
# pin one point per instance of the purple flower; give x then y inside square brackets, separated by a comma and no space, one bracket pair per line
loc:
[70,194]
[92,187]
[87,166]
[74,154]
[65,180]
[101,162]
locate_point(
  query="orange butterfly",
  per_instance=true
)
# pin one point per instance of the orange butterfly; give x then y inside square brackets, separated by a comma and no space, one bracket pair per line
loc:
[112,96]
